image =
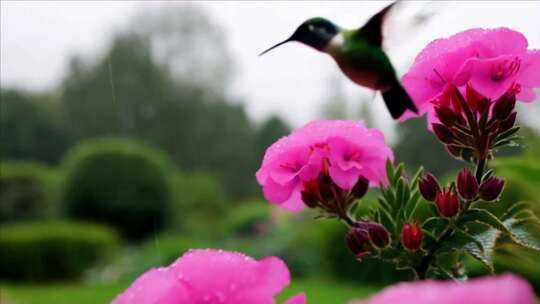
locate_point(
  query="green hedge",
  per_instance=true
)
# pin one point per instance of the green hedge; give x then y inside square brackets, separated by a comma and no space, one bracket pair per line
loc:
[119,182]
[199,203]
[28,191]
[40,251]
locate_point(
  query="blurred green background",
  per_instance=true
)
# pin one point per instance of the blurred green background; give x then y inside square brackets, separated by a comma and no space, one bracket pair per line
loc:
[93,192]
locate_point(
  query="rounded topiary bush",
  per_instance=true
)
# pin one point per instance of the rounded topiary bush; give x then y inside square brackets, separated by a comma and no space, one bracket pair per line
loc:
[27,191]
[119,182]
[41,251]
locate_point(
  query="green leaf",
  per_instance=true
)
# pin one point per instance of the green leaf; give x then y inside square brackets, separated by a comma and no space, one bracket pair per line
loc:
[397,173]
[511,142]
[406,194]
[508,133]
[487,174]
[515,208]
[488,239]
[435,225]
[524,233]
[448,265]
[414,180]
[389,170]
[384,204]
[412,205]
[485,217]
[386,220]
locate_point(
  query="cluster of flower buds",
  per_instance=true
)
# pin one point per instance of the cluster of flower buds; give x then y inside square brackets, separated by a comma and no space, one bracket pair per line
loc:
[323,193]
[447,200]
[468,188]
[411,236]
[365,238]
[473,125]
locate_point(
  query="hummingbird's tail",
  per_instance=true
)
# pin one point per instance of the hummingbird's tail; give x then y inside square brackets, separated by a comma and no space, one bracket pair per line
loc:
[398,101]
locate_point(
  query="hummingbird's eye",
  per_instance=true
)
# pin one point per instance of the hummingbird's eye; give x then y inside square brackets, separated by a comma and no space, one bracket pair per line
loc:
[311,27]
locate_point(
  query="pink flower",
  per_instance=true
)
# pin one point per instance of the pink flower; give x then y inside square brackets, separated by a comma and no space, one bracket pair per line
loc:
[345,150]
[211,277]
[502,289]
[491,61]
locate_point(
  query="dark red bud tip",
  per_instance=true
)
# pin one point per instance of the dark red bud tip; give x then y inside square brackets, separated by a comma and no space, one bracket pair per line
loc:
[429,187]
[309,199]
[454,150]
[443,133]
[357,240]
[448,117]
[467,184]
[327,188]
[360,188]
[504,106]
[491,189]
[483,106]
[475,99]
[447,203]
[508,123]
[411,236]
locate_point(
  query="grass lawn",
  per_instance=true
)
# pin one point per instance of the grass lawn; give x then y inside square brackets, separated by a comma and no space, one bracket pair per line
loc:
[317,291]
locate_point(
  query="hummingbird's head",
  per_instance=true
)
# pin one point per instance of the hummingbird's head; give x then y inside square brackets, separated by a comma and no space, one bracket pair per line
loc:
[315,32]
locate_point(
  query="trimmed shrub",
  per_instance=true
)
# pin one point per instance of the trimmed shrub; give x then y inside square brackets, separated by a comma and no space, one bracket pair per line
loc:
[40,251]
[199,204]
[249,219]
[28,191]
[118,182]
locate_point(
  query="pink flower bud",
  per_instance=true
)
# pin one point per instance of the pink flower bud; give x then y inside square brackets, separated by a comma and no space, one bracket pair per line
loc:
[365,237]
[447,203]
[429,186]
[467,184]
[411,236]
[378,235]
[443,133]
[504,106]
[491,188]
[357,239]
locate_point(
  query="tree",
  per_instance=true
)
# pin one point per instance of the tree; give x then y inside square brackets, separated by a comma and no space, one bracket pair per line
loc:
[270,131]
[135,91]
[189,45]
[418,147]
[30,127]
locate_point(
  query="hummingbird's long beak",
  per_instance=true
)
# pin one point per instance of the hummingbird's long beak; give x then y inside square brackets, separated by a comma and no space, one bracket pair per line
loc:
[275,46]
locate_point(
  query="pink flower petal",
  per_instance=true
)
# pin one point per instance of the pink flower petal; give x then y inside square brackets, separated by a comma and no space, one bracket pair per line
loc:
[297,299]
[156,286]
[294,203]
[503,289]
[526,95]
[342,147]
[484,72]
[344,179]
[273,274]
[530,76]
[472,57]
[277,193]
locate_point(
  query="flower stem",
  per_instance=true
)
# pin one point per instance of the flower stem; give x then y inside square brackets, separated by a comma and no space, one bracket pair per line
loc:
[480,169]
[422,269]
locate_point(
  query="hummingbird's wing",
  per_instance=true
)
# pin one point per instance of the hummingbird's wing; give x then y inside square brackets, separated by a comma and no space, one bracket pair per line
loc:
[372,30]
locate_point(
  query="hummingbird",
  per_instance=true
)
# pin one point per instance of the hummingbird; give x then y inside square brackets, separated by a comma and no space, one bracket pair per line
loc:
[359,55]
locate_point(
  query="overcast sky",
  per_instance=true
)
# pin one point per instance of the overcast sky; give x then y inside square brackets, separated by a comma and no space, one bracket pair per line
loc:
[38,37]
